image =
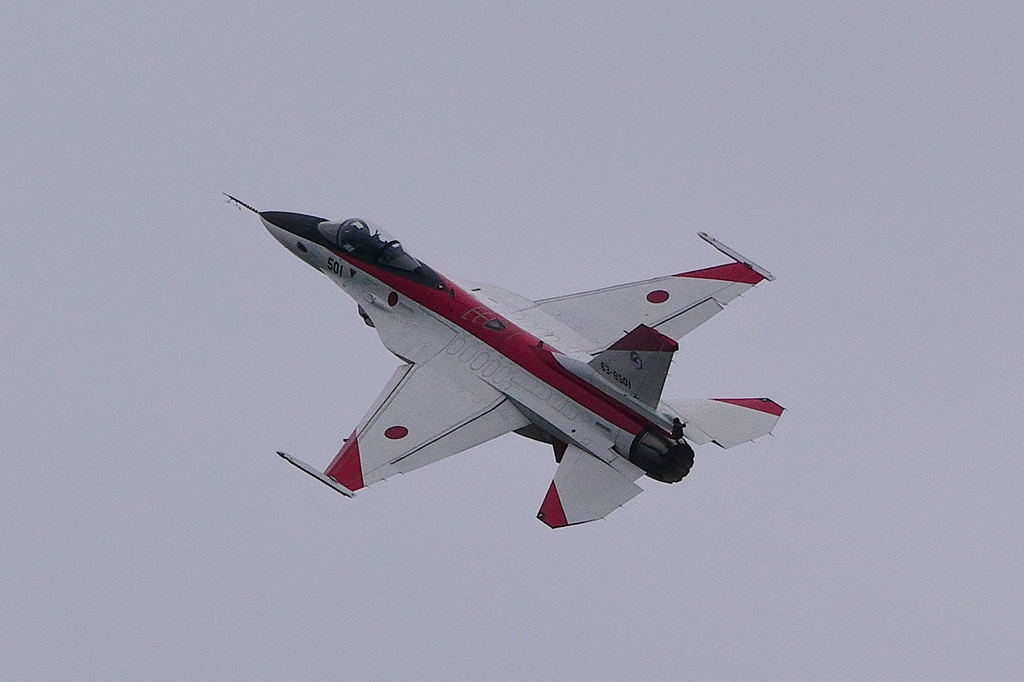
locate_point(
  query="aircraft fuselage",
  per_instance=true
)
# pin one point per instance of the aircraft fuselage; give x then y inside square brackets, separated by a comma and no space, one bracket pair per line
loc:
[440,321]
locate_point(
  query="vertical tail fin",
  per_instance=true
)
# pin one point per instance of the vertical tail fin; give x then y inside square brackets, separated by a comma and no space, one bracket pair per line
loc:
[638,363]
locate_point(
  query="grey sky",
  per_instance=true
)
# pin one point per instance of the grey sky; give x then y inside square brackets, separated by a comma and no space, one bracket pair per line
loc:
[157,345]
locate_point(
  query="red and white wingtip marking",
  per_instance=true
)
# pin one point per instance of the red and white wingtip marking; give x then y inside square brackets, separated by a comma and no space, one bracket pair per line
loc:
[330,482]
[346,468]
[739,258]
[731,272]
[551,511]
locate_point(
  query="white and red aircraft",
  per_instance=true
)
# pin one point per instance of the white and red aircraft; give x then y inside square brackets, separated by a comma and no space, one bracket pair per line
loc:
[479,362]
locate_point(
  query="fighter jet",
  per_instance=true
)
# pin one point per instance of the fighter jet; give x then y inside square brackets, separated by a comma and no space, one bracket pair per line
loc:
[583,372]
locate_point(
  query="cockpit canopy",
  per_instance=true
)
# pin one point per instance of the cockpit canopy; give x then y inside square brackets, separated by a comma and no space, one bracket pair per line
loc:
[369,244]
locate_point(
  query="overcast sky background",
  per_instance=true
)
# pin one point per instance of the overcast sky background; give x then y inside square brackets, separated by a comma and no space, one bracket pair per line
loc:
[157,345]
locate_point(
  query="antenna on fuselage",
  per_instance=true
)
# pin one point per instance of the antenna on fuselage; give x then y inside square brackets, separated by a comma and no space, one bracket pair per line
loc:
[238,202]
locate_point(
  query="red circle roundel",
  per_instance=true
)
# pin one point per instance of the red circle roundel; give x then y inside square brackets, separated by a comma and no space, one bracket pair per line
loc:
[396,432]
[657,296]
[393,299]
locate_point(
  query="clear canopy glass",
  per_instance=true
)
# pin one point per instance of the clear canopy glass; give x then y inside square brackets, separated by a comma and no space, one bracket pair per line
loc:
[369,244]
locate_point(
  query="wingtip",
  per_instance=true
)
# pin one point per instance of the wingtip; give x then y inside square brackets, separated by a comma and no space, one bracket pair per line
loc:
[346,468]
[336,485]
[551,511]
[736,256]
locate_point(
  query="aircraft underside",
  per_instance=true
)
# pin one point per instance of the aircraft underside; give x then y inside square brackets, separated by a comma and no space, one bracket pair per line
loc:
[480,361]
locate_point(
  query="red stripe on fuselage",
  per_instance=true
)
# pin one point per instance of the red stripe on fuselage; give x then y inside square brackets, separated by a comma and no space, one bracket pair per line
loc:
[518,345]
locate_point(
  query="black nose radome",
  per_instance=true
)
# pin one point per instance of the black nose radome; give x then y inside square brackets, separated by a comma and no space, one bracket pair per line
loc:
[299,224]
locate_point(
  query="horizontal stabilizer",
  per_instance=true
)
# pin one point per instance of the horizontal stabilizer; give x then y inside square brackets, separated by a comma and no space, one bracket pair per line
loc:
[726,421]
[585,489]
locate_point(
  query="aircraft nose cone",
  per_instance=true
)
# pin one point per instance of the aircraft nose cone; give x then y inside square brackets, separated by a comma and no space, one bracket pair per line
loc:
[299,224]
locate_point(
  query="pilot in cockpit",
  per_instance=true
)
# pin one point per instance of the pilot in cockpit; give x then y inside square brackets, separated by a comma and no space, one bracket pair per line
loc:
[375,246]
